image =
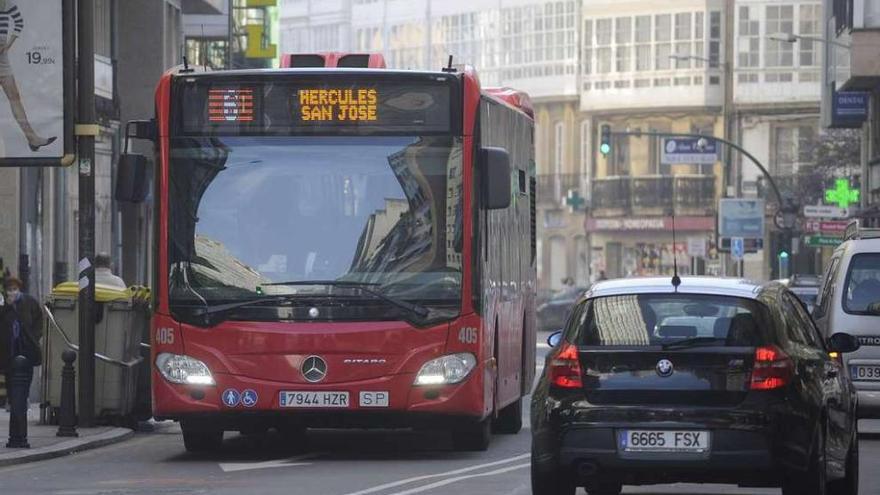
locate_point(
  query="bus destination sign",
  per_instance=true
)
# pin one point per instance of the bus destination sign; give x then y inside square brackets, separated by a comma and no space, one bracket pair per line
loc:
[337,105]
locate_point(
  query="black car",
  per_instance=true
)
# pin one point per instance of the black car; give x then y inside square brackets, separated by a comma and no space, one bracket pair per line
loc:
[713,381]
[552,313]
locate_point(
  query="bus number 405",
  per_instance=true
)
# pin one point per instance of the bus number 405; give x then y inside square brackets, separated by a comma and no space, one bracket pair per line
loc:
[467,335]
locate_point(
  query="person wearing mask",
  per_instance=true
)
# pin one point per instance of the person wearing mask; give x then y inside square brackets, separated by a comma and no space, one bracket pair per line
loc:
[21,328]
[104,274]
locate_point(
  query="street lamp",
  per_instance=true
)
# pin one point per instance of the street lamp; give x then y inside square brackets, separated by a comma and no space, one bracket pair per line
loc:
[793,38]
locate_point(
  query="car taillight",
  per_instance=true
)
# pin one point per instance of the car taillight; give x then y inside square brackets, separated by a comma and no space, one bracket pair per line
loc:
[565,368]
[773,368]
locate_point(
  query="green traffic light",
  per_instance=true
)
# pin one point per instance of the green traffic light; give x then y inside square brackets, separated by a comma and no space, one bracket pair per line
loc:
[605,148]
[783,255]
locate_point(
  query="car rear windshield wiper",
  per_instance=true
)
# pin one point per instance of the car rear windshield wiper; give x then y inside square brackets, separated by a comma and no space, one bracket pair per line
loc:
[415,309]
[691,342]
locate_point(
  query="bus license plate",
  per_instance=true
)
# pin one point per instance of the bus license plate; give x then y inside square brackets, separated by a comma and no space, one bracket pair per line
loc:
[867,373]
[664,441]
[313,399]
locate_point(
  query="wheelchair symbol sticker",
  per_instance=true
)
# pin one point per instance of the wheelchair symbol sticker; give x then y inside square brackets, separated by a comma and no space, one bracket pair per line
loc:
[249,398]
[231,397]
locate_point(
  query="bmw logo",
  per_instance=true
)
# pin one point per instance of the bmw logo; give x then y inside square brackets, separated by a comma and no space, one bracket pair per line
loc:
[664,368]
[314,369]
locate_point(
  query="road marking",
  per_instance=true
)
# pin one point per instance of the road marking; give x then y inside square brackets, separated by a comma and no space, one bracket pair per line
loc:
[231,467]
[449,481]
[438,475]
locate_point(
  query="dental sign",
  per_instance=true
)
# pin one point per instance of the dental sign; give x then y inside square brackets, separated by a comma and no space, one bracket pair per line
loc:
[337,105]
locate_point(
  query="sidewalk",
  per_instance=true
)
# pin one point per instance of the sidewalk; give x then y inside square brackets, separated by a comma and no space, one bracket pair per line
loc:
[45,445]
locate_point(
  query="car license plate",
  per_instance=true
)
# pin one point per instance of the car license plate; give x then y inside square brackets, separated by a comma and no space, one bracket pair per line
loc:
[664,441]
[868,373]
[313,399]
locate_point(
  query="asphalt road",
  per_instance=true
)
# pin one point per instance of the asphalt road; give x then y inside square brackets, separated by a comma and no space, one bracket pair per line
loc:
[335,463]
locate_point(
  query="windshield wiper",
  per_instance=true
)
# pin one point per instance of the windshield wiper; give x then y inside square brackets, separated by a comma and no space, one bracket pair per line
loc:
[415,309]
[691,342]
[222,308]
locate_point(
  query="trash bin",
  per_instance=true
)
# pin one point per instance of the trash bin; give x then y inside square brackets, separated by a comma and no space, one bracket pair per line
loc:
[122,320]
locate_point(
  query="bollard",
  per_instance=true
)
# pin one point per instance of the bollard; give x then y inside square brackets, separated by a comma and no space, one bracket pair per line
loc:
[18,397]
[67,413]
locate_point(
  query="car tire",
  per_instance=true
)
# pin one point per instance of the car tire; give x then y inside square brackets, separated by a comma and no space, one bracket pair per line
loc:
[509,420]
[551,482]
[814,480]
[848,485]
[604,487]
[472,436]
[202,440]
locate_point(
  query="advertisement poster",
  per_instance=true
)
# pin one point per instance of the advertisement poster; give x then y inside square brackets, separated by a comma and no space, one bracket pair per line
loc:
[32,80]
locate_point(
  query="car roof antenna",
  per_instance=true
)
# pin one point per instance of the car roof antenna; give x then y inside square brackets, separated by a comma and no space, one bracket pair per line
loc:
[676,280]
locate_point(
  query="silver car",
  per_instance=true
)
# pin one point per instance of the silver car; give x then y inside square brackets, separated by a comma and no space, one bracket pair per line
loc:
[849,301]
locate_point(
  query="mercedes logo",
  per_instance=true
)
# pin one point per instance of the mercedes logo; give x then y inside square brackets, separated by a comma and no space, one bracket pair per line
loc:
[314,369]
[664,368]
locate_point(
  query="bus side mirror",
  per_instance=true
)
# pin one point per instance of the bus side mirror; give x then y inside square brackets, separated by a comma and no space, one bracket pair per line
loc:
[495,174]
[131,178]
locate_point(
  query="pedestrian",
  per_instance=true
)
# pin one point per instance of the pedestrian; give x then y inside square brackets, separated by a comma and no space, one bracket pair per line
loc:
[21,329]
[104,273]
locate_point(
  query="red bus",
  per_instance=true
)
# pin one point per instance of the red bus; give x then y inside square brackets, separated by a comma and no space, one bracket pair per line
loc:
[341,248]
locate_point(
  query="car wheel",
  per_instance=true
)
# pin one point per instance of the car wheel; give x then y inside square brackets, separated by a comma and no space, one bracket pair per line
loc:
[814,480]
[509,420]
[472,437]
[604,487]
[848,485]
[551,482]
[202,440]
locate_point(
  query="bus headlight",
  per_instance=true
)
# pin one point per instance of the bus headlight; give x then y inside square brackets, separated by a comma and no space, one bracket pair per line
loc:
[183,369]
[446,370]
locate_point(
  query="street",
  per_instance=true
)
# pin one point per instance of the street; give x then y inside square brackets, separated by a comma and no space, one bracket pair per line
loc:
[335,463]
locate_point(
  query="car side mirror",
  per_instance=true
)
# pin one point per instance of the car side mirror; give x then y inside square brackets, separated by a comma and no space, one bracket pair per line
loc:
[495,175]
[131,178]
[843,343]
[554,338]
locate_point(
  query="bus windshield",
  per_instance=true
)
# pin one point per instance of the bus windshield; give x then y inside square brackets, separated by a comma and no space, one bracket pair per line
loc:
[249,211]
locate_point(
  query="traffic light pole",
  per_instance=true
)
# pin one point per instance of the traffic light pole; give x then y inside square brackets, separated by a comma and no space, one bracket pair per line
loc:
[782,202]
[86,130]
[786,205]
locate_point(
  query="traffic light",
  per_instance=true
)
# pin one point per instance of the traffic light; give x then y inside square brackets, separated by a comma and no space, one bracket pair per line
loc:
[605,143]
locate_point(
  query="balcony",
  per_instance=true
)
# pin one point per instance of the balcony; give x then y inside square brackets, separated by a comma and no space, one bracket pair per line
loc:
[553,188]
[654,195]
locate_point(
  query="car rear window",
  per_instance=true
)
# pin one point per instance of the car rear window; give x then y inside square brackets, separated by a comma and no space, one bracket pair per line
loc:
[658,319]
[862,287]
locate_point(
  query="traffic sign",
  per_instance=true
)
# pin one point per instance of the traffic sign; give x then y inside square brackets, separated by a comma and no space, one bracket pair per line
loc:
[689,150]
[829,226]
[697,247]
[824,212]
[822,240]
[737,248]
[741,218]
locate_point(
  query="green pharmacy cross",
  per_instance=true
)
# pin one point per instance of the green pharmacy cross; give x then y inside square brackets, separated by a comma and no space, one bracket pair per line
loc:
[842,195]
[574,200]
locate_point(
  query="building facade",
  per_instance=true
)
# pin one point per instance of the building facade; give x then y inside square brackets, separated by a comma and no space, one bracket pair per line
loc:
[852,44]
